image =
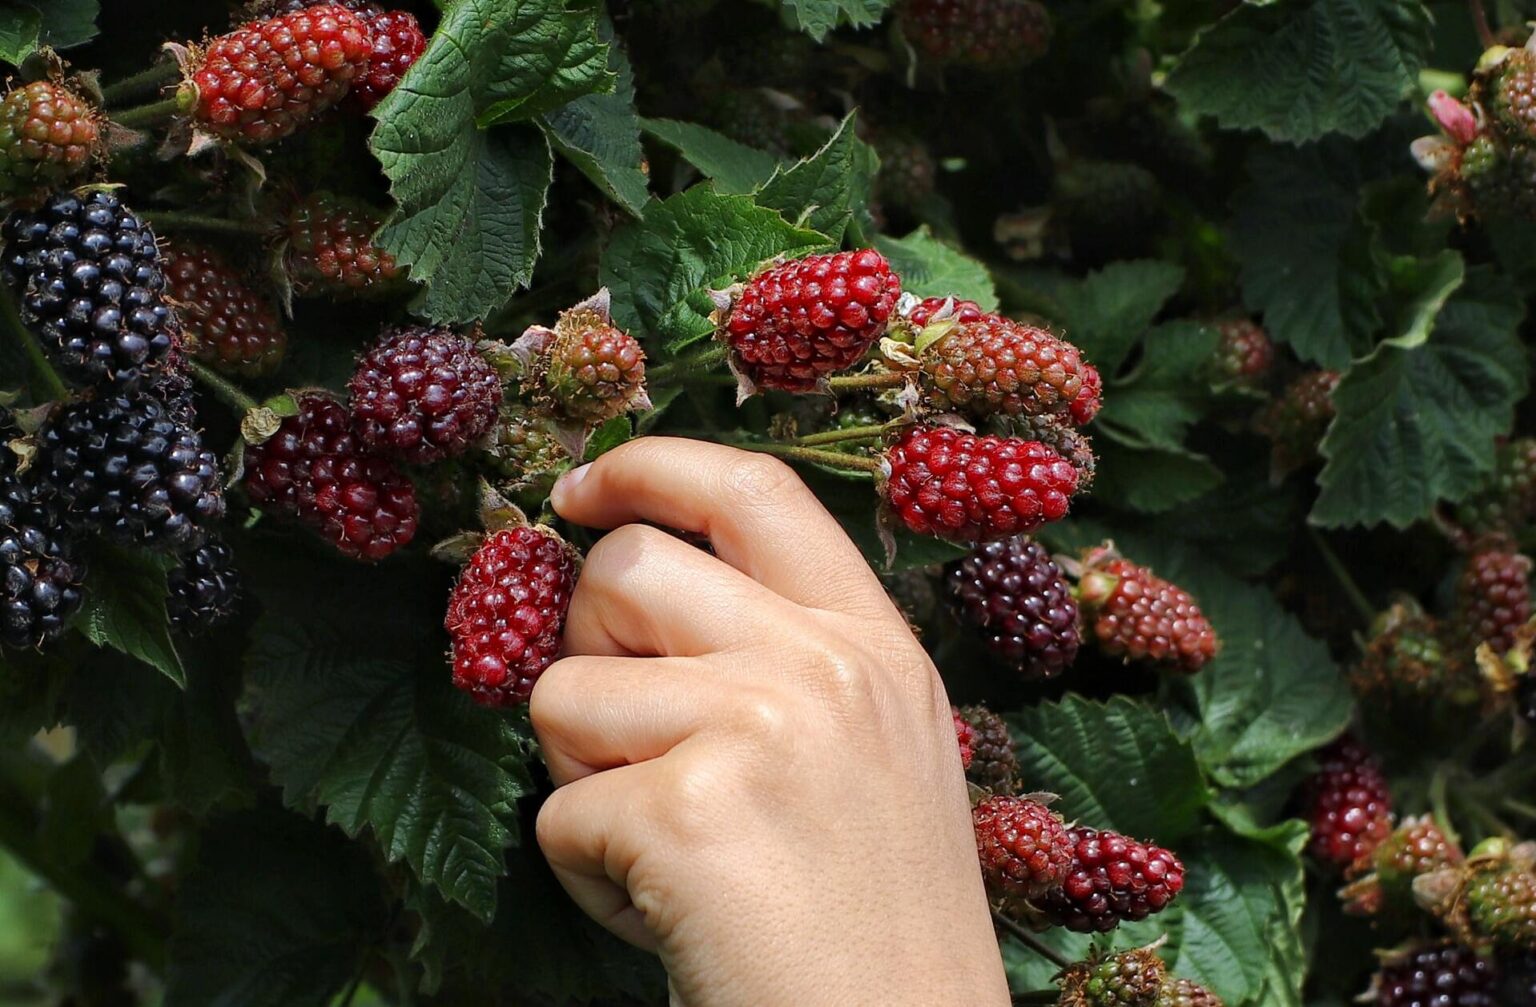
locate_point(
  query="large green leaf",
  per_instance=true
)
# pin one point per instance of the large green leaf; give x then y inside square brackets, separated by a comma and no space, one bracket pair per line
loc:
[685,243]
[817,17]
[1155,405]
[27,24]
[277,913]
[930,267]
[822,191]
[732,166]
[125,609]
[1299,69]
[1106,313]
[352,709]
[1417,420]
[1149,480]
[600,135]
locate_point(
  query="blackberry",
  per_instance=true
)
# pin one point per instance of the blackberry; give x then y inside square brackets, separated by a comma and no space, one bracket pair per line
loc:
[121,465]
[907,169]
[994,765]
[1113,880]
[203,589]
[1445,976]
[1505,86]
[223,321]
[90,282]
[40,578]
[423,395]
[1498,902]
[965,737]
[524,445]
[1018,600]
[586,370]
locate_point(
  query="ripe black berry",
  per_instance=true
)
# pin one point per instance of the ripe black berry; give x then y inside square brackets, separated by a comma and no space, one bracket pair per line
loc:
[1019,601]
[203,590]
[1448,976]
[39,577]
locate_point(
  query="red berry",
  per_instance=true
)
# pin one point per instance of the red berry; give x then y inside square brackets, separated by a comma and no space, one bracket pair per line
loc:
[1384,877]
[1019,601]
[981,33]
[267,79]
[1493,597]
[798,322]
[507,612]
[1444,976]
[1244,352]
[398,42]
[225,323]
[923,311]
[423,395]
[331,250]
[1347,803]
[1186,993]
[1023,846]
[48,135]
[314,470]
[965,737]
[1089,398]
[1142,617]
[994,366]
[968,488]
[1296,421]
[1112,880]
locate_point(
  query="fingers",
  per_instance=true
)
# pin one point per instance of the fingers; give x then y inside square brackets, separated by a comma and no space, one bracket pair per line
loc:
[759,516]
[597,713]
[643,592]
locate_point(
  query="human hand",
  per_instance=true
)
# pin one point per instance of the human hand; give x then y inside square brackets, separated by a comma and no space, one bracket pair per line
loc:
[757,768]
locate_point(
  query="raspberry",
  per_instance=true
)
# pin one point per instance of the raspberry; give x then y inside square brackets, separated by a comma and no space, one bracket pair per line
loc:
[1244,352]
[980,33]
[1140,616]
[1444,976]
[267,79]
[907,169]
[1019,601]
[1113,880]
[1506,501]
[40,578]
[1186,993]
[993,762]
[331,250]
[1493,598]
[507,612]
[965,737]
[1415,848]
[398,42]
[1347,804]
[90,282]
[1129,979]
[48,135]
[121,465]
[225,323]
[1023,847]
[1500,897]
[994,366]
[203,589]
[967,488]
[1089,398]
[796,323]
[313,470]
[590,369]
[924,311]
[423,395]
[1296,421]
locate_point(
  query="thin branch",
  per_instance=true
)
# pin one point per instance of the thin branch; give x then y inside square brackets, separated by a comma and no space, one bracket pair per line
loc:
[814,456]
[1030,941]
[865,433]
[224,389]
[1480,22]
[156,76]
[152,114]
[858,382]
[178,220]
[1341,574]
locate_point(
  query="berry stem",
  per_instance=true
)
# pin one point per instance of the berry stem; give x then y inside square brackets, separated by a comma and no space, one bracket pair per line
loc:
[1439,802]
[1480,22]
[145,80]
[225,390]
[839,436]
[1341,574]
[683,367]
[151,114]
[859,382]
[51,384]
[1030,941]
[178,220]
[813,456]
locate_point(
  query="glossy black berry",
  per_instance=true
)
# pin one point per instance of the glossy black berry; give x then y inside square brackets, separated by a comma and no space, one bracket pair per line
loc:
[40,577]
[1018,600]
[203,589]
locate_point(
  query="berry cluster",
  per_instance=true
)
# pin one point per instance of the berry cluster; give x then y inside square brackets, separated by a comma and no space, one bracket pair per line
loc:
[1347,803]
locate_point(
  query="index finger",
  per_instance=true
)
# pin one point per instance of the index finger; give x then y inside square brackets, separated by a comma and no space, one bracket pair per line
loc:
[758,515]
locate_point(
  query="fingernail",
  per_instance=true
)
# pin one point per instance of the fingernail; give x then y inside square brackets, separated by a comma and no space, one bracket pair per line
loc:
[566,484]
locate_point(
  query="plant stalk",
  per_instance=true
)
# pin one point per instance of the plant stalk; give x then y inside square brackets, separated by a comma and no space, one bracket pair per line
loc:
[1480,22]
[42,368]
[151,114]
[1341,574]
[224,390]
[178,220]
[859,382]
[155,76]
[1030,941]
[813,456]
[700,360]
[838,436]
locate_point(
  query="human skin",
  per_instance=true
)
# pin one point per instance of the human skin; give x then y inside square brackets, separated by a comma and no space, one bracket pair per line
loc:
[756,763]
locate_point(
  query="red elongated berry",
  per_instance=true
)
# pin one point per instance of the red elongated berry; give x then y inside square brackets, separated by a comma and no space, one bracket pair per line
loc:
[968,488]
[224,323]
[997,367]
[965,737]
[1187,993]
[1244,352]
[1018,600]
[929,308]
[994,764]
[314,470]
[330,248]
[1446,975]
[507,612]
[1296,421]
[267,79]
[1113,879]
[423,394]
[796,323]
[1493,597]
[1347,803]
[1139,616]
[985,34]
[48,135]
[398,42]
[1023,845]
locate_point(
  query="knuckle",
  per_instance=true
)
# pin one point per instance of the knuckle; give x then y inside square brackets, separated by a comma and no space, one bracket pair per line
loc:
[697,791]
[552,823]
[622,549]
[758,478]
[761,718]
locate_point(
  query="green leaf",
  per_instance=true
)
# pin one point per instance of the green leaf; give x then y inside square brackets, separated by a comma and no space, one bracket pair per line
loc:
[1150,480]
[1118,765]
[822,191]
[683,244]
[1420,288]
[277,913]
[76,811]
[1416,422]
[125,609]
[931,267]
[352,709]
[1156,405]
[68,23]
[733,167]
[1106,313]
[818,17]
[1299,69]
[469,202]
[20,28]
[1309,262]
[600,135]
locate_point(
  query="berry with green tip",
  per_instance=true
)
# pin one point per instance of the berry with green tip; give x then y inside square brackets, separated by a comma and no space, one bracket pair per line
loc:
[1023,845]
[1017,599]
[423,394]
[524,444]
[994,764]
[593,371]
[1129,979]
[224,322]
[1139,616]
[1499,898]
[1384,878]
[48,135]
[1504,85]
